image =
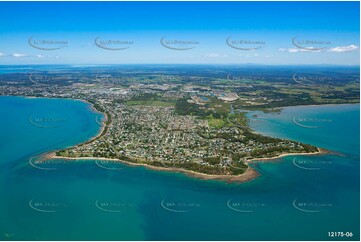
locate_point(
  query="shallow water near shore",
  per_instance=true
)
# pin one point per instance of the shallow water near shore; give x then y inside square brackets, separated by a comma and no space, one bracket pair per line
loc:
[295,198]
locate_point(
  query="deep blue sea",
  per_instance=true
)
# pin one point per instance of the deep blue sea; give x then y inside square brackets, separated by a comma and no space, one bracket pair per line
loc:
[295,198]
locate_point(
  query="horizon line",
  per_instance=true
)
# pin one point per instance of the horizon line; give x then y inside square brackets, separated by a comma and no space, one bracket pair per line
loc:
[189,64]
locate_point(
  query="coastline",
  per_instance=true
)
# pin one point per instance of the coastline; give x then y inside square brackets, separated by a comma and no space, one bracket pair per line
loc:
[103,123]
[248,175]
[326,104]
[306,106]
[260,160]
[92,107]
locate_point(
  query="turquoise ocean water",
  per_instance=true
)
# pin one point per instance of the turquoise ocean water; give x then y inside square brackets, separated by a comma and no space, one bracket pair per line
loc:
[295,198]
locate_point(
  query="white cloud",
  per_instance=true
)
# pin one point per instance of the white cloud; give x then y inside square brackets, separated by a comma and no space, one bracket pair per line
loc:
[347,48]
[18,55]
[296,50]
[216,55]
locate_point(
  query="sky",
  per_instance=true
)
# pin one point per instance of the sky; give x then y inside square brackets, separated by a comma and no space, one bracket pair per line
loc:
[272,33]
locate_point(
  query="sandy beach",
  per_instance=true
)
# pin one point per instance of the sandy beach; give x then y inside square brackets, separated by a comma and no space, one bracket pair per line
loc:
[250,173]
[255,160]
